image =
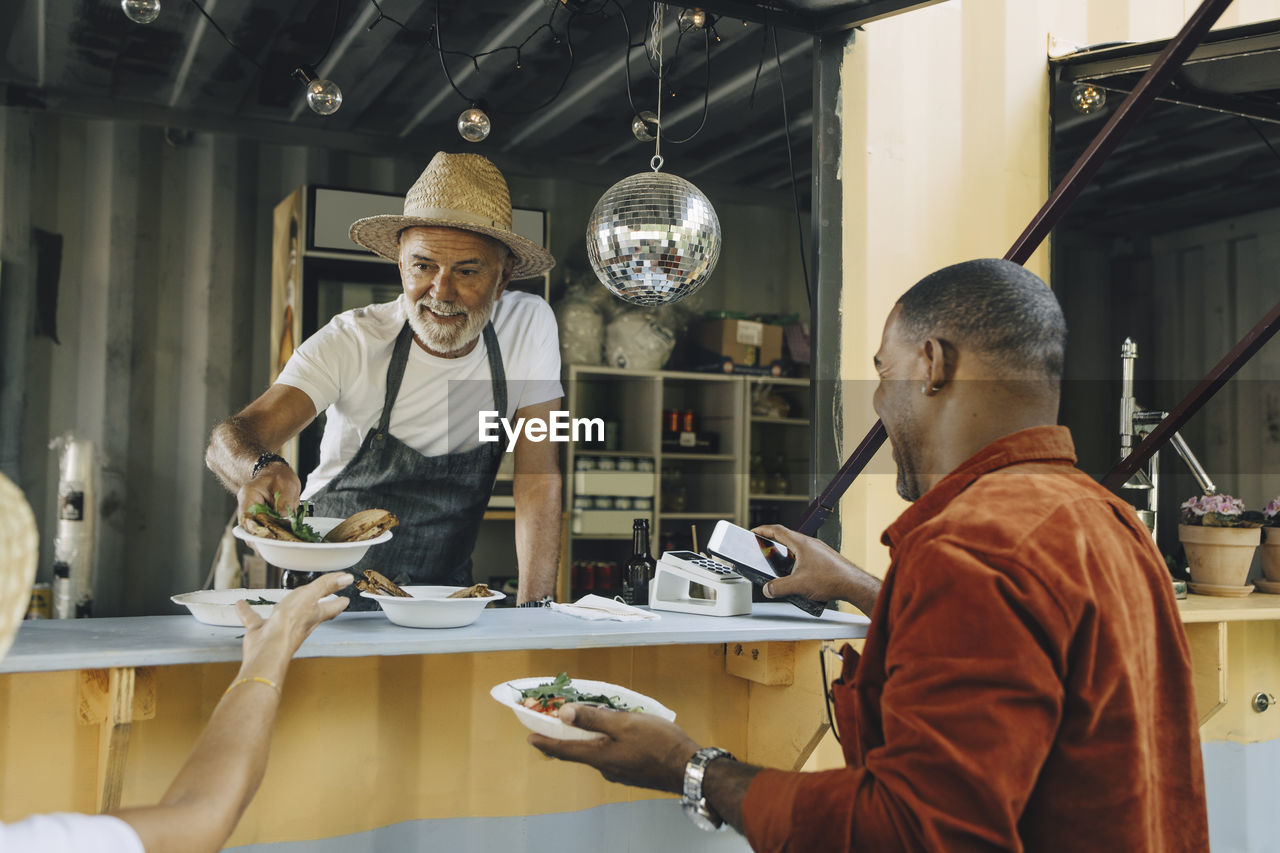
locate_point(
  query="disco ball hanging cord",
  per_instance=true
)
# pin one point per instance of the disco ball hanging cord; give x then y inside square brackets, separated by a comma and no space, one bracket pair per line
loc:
[656,161]
[653,238]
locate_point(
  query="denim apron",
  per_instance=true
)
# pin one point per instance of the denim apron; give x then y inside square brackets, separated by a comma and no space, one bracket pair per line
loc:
[439,499]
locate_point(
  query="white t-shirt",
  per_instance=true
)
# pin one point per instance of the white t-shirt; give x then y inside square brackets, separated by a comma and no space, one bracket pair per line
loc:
[69,833]
[343,369]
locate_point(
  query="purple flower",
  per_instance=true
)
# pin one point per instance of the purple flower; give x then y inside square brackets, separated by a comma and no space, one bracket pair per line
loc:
[1272,510]
[1197,508]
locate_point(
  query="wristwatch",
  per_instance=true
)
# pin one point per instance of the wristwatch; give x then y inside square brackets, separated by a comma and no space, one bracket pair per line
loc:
[694,802]
[545,601]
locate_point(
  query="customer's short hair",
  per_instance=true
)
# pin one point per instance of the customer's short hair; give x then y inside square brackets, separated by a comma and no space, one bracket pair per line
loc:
[993,306]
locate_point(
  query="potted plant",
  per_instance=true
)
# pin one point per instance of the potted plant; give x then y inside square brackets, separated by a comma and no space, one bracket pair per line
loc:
[1219,538]
[1271,541]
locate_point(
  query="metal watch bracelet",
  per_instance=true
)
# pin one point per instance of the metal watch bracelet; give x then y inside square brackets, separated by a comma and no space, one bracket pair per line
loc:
[545,601]
[694,802]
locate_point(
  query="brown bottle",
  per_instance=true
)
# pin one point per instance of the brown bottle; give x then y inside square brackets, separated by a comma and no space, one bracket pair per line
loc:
[640,568]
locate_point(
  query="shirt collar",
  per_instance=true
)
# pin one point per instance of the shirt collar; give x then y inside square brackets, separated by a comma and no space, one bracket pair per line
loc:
[1046,444]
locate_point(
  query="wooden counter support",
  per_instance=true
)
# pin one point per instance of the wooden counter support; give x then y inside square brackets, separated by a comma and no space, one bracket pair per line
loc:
[1208,642]
[112,699]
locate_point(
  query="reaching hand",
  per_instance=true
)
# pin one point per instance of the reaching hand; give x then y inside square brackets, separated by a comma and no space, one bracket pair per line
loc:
[276,485]
[638,749]
[270,643]
[821,573]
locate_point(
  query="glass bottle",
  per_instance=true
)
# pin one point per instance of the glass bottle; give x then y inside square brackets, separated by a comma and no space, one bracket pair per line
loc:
[779,483]
[640,568]
[757,483]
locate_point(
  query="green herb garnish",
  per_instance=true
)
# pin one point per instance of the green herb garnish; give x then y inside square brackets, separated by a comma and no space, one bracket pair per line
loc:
[259,601]
[295,520]
[562,688]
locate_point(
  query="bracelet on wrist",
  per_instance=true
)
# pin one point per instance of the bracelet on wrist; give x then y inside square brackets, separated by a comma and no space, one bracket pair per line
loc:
[264,460]
[251,679]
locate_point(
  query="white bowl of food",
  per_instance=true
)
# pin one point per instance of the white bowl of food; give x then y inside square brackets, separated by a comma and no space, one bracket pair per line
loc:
[536,702]
[431,606]
[312,556]
[218,606]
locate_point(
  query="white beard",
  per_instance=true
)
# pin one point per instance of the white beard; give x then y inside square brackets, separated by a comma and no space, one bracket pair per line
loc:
[448,336]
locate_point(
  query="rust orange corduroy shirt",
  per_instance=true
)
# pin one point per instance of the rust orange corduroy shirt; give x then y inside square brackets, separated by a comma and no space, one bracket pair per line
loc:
[1025,683]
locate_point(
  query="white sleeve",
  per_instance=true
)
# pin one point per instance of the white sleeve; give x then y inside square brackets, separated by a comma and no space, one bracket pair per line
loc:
[69,833]
[543,370]
[316,366]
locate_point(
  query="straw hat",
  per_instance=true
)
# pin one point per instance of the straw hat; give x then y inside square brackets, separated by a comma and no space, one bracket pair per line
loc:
[19,549]
[456,191]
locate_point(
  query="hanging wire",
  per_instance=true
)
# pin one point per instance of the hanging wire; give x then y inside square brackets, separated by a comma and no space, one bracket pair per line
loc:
[238,49]
[333,34]
[706,91]
[382,16]
[656,161]
[567,40]
[791,164]
[1262,136]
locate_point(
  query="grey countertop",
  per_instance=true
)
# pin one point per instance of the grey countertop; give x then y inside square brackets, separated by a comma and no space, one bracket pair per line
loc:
[44,646]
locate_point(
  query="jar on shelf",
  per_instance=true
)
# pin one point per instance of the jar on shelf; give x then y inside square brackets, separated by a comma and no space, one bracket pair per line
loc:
[757,481]
[779,482]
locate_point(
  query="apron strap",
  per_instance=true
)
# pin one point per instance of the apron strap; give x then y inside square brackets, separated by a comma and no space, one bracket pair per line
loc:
[496,370]
[395,373]
[400,358]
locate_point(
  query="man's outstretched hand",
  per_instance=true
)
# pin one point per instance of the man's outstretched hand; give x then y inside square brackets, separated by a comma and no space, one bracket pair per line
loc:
[637,749]
[821,573]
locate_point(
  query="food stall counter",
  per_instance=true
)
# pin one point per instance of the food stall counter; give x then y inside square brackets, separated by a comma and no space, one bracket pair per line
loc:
[387,737]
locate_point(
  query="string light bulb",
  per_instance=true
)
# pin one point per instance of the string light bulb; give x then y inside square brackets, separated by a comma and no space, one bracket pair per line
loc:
[644,126]
[323,96]
[695,18]
[141,11]
[1087,98]
[474,124]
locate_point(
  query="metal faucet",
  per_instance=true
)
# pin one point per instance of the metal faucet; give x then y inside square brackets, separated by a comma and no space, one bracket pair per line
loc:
[1135,424]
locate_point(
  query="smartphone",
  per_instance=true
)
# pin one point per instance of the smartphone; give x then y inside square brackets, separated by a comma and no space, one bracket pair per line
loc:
[758,559]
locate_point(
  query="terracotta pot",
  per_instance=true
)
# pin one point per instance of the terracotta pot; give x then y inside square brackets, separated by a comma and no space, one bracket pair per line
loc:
[1219,555]
[1271,553]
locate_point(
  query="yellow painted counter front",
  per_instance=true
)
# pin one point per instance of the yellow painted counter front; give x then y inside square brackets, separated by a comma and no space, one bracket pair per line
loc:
[369,740]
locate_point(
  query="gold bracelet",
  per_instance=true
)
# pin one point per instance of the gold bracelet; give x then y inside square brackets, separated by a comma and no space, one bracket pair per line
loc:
[251,678]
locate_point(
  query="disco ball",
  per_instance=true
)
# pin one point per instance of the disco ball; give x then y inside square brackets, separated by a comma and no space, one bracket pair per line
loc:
[653,238]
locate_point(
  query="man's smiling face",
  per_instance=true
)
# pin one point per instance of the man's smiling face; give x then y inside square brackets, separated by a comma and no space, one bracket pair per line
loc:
[451,279]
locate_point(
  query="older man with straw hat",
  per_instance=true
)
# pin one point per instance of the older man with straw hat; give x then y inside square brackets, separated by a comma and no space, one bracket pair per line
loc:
[223,770]
[402,384]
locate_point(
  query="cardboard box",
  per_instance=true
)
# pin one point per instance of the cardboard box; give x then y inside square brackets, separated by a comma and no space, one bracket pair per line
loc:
[744,341]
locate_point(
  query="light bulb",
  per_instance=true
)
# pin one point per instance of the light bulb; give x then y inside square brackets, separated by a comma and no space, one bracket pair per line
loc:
[323,96]
[473,124]
[644,125]
[1088,98]
[695,18]
[141,11]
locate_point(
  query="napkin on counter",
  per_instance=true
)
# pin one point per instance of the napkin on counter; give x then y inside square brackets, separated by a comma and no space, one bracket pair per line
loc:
[598,607]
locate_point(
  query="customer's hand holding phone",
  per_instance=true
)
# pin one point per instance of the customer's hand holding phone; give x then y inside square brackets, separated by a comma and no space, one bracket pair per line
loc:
[820,573]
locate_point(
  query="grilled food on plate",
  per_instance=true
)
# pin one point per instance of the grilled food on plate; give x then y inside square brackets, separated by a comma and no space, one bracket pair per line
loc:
[480,590]
[376,583]
[366,524]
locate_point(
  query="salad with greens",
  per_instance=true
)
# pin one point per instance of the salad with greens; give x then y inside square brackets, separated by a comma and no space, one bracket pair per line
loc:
[550,697]
[294,521]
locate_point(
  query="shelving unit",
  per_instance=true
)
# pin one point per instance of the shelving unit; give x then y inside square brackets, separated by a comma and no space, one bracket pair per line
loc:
[692,489]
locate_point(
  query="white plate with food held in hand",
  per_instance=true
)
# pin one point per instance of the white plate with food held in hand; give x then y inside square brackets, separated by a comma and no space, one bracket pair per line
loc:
[218,606]
[314,544]
[537,701]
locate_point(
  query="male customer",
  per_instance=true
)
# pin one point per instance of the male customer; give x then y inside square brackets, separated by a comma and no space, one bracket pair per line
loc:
[216,784]
[1025,683]
[402,385]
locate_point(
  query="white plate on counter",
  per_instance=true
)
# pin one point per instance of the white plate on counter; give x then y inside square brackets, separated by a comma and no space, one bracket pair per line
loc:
[431,607]
[218,606]
[508,693]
